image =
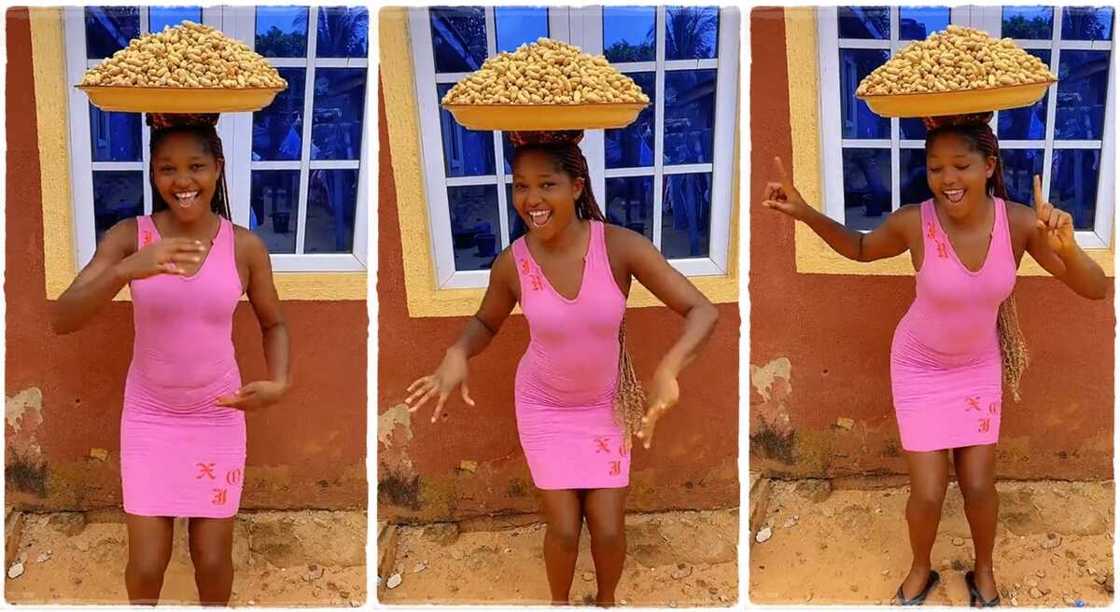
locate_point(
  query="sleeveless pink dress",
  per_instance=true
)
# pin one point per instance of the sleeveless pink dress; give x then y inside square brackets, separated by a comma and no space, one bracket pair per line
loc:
[566,381]
[946,369]
[181,454]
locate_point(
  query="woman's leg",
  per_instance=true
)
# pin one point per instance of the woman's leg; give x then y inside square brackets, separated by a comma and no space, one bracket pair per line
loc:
[564,513]
[605,510]
[975,466]
[149,551]
[929,477]
[212,555]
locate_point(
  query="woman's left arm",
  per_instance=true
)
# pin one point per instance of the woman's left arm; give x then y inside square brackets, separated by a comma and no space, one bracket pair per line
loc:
[1052,235]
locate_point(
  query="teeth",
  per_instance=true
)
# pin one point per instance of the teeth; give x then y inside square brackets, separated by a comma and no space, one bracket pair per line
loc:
[540,217]
[186,195]
[954,195]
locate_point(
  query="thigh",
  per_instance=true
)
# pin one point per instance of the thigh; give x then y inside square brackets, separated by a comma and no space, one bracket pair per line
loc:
[929,473]
[975,466]
[149,537]
[605,510]
[563,509]
[211,536]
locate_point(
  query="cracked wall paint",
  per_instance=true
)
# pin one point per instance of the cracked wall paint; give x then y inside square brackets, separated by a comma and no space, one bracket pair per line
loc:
[772,382]
[24,415]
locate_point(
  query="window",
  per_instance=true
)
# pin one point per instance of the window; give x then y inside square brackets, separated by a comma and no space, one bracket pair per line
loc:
[878,164]
[667,175]
[296,170]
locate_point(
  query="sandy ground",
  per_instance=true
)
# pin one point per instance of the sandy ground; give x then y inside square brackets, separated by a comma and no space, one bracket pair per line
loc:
[681,559]
[1053,547]
[307,558]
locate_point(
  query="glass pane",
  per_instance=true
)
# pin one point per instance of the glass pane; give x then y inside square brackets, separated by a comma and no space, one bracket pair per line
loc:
[160,17]
[109,28]
[117,195]
[278,128]
[1019,168]
[465,152]
[858,120]
[1082,87]
[114,136]
[507,153]
[332,199]
[336,126]
[274,208]
[281,31]
[458,38]
[690,116]
[517,227]
[630,203]
[864,22]
[342,32]
[519,24]
[1073,184]
[1087,23]
[628,33]
[912,177]
[1028,22]
[867,187]
[474,225]
[691,32]
[1027,123]
[686,215]
[632,146]
[918,22]
[912,129]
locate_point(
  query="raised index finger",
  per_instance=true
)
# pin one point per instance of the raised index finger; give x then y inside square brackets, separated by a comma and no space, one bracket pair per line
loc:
[783,176]
[1038,194]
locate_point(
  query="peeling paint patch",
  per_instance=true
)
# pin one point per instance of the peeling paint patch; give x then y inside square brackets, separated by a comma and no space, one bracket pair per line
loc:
[772,383]
[24,415]
[763,377]
[387,423]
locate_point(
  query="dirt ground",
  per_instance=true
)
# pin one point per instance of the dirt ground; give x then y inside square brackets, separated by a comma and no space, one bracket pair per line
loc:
[307,558]
[680,559]
[1053,547]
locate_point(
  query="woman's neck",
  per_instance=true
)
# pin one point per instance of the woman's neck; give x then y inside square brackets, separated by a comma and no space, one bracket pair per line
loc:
[201,228]
[976,216]
[569,239]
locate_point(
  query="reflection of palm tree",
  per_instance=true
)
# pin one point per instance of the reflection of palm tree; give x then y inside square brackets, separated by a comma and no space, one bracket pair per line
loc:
[1087,23]
[339,27]
[688,30]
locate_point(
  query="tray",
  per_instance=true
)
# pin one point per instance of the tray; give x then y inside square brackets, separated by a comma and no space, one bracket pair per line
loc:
[180,99]
[956,102]
[542,117]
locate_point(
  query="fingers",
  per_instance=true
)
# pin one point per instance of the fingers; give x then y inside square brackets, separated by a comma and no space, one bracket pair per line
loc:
[171,268]
[428,393]
[466,394]
[232,400]
[415,383]
[439,406]
[425,386]
[781,169]
[1038,192]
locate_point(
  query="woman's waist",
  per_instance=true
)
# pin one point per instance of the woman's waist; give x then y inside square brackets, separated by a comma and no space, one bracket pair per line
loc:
[564,383]
[934,343]
[189,390]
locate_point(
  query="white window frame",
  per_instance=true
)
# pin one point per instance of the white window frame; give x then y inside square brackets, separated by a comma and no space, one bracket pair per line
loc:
[988,19]
[236,132]
[582,26]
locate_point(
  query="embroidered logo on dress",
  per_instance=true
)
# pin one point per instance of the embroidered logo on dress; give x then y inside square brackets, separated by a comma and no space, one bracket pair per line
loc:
[147,237]
[993,408]
[219,497]
[985,425]
[973,403]
[524,265]
[941,252]
[931,232]
[616,468]
[205,470]
[601,445]
[233,477]
[536,282]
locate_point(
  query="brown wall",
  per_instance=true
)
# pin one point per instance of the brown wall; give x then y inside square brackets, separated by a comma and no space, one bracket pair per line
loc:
[306,452]
[836,331]
[693,460]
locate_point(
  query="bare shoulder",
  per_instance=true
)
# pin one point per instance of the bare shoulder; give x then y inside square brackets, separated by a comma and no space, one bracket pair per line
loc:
[907,219]
[1020,214]
[121,237]
[248,239]
[621,240]
[504,265]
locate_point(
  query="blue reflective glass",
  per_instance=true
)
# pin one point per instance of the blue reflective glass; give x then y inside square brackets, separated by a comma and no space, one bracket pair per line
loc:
[1087,23]
[691,32]
[117,195]
[507,154]
[632,146]
[515,25]
[912,177]
[1082,88]
[474,225]
[629,203]
[160,17]
[1026,123]
[1073,184]
[857,119]
[864,22]
[912,129]
[336,127]
[690,116]
[342,32]
[517,227]
[281,31]
[1028,22]
[332,200]
[458,38]
[867,187]
[628,33]
[918,22]
[686,215]
[278,128]
[109,28]
[465,152]
[1019,168]
[274,208]
[114,136]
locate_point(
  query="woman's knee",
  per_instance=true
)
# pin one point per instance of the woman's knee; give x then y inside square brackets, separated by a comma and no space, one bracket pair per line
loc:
[565,536]
[927,497]
[211,560]
[148,565]
[978,490]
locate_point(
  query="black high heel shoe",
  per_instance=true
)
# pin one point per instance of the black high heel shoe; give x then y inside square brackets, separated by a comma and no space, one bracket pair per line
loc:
[975,599]
[920,598]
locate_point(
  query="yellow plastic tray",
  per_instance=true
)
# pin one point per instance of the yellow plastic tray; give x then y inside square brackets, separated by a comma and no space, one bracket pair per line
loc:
[180,99]
[956,102]
[540,117]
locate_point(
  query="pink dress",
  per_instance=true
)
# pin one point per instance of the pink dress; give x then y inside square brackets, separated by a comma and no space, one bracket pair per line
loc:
[946,374]
[566,381]
[181,454]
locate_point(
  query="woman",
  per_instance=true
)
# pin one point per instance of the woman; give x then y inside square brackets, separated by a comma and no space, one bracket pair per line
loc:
[183,423]
[577,398]
[960,339]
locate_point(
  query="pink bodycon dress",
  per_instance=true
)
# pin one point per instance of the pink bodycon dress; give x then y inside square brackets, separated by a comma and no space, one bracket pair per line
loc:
[566,381]
[181,454]
[946,374]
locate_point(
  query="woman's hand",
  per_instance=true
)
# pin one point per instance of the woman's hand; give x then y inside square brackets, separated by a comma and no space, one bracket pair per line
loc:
[664,393]
[451,373]
[782,196]
[255,395]
[162,257]
[1054,223]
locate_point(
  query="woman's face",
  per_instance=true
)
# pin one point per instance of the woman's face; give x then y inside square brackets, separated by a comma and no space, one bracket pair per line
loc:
[957,174]
[544,197]
[186,175]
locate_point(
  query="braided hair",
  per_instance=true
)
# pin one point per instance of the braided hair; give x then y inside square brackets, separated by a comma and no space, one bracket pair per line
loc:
[569,159]
[202,127]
